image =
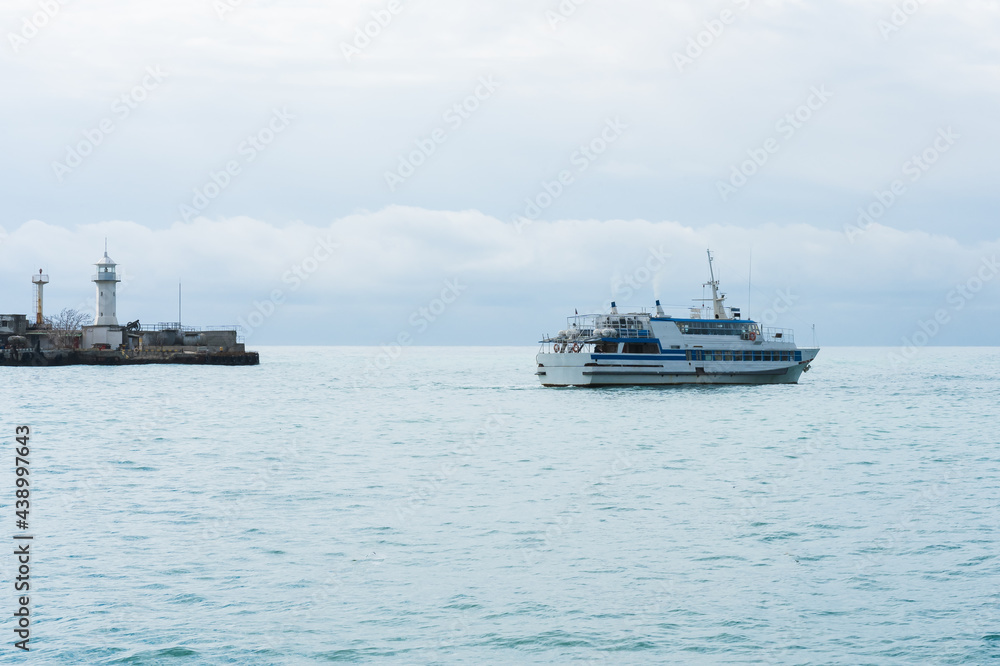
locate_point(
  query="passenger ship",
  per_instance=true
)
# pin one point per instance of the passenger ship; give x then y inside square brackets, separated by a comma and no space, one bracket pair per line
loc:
[709,346]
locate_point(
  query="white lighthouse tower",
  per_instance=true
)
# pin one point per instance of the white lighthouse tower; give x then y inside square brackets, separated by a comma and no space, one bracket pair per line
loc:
[107,284]
[105,333]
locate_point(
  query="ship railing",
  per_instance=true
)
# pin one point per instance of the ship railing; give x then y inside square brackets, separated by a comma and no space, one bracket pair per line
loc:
[625,325]
[778,334]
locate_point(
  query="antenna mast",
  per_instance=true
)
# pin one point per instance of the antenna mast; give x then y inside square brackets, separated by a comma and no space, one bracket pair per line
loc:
[717,301]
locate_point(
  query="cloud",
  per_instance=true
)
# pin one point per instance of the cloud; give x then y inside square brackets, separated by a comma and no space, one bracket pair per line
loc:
[355,118]
[388,264]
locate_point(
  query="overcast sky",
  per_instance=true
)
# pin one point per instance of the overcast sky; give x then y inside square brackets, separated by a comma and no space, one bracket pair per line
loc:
[271,152]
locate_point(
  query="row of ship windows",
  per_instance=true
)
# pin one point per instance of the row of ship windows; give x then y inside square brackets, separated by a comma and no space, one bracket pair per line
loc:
[700,355]
[715,328]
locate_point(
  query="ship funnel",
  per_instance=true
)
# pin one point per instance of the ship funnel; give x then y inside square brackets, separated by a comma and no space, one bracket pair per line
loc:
[614,308]
[659,309]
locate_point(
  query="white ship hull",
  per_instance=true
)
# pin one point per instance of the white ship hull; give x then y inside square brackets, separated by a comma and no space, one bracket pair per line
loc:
[584,369]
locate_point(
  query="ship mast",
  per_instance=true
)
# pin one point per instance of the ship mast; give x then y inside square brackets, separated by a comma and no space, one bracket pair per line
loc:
[717,301]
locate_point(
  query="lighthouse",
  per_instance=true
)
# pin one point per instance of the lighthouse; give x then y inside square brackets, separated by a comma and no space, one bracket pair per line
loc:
[107,284]
[40,281]
[105,333]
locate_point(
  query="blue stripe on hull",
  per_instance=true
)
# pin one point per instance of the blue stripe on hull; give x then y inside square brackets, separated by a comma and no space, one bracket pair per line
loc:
[640,357]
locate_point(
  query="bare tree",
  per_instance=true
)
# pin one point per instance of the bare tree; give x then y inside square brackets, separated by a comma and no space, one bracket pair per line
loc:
[65,325]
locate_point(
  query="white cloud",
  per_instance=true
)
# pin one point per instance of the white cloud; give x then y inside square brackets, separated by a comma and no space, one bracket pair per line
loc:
[391,262]
[607,59]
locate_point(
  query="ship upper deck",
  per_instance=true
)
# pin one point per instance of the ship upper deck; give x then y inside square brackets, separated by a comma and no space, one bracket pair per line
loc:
[712,322]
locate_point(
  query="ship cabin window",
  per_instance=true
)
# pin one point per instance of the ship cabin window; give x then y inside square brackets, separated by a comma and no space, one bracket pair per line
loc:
[606,348]
[715,327]
[640,348]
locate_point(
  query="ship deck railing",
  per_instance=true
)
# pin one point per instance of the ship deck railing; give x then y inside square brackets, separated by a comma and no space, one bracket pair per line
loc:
[777,334]
[635,324]
[622,322]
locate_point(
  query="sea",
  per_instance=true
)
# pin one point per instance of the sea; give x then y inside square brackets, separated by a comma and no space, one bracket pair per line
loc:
[437,506]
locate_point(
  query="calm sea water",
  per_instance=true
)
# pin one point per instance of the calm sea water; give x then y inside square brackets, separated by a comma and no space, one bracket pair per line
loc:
[449,510]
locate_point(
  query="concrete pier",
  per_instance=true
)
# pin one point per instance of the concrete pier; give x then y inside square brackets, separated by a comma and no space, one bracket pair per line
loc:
[69,338]
[30,357]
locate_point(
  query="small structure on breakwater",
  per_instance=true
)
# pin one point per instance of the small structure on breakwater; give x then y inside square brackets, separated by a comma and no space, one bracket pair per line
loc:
[65,341]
